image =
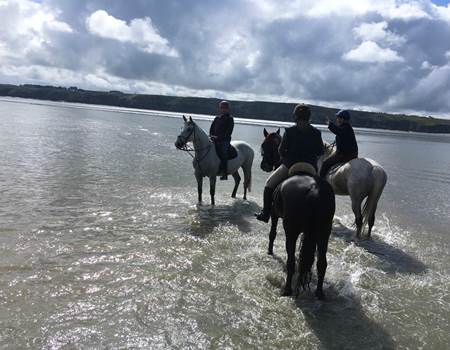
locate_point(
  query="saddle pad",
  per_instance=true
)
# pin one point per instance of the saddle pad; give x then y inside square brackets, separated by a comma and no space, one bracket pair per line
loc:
[302,167]
[232,152]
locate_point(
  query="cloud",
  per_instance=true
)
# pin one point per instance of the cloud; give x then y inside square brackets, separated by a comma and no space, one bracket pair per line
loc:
[140,32]
[370,52]
[378,32]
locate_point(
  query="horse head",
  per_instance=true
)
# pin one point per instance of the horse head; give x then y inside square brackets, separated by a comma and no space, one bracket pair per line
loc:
[269,150]
[187,133]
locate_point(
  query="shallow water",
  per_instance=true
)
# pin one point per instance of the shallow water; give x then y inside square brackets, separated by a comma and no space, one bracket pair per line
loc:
[102,244]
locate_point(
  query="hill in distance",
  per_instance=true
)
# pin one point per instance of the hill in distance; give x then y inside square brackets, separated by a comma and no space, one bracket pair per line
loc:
[244,109]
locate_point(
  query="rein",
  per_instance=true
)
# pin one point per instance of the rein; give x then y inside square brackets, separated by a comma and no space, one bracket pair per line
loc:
[189,150]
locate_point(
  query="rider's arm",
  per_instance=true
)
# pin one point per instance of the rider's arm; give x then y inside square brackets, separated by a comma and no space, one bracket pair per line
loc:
[229,127]
[211,129]
[319,145]
[335,129]
[282,149]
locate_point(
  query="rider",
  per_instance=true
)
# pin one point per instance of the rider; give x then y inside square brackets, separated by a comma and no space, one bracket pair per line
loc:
[220,133]
[300,143]
[346,146]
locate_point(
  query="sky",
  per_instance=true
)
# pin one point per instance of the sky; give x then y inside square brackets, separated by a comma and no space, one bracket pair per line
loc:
[391,55]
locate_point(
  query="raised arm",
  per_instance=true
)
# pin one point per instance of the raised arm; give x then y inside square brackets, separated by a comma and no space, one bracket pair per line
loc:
[335,129]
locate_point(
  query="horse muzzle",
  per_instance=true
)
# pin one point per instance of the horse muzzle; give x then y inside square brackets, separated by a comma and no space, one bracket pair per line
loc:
[179,143]
[266,167]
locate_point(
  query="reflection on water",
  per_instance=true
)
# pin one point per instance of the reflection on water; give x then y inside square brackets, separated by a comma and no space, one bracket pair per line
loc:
[103,245]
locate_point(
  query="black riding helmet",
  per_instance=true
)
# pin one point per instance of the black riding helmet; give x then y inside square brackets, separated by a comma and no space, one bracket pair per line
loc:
[344,114]
[301,112]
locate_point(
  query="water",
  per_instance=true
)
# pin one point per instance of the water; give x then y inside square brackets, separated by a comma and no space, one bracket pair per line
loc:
[102,244]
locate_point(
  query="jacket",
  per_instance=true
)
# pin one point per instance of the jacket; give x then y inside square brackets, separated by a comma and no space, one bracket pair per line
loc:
[345,138]
[222,127]
[301,145]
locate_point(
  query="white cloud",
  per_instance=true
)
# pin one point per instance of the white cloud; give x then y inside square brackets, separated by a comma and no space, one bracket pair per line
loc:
[378,32]
[278,49]
[27,27]
[140,32]
[370,52]
[390,9]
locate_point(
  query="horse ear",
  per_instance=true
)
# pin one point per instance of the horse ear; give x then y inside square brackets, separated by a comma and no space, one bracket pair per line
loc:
[190,118]
[278,131]
[265,132]
[184,118]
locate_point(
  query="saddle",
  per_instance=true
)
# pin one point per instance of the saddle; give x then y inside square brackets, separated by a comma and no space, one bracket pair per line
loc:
[232,152]
[302,167]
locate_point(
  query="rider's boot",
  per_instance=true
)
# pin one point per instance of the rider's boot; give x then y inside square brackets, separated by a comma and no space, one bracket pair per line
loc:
[264,215]
[223,166]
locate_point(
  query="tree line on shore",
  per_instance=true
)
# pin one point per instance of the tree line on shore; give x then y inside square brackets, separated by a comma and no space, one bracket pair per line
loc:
[243,109]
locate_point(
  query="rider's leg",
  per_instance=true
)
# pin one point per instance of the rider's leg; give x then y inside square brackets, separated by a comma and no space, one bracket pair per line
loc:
[224,159]
[329,162]
[278,176]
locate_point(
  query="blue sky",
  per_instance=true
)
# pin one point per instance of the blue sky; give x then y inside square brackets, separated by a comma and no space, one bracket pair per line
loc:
[390,55]
[441,2]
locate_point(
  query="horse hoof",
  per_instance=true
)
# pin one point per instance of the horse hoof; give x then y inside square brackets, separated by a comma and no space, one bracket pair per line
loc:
[233,196]
[270,252]
[319,294]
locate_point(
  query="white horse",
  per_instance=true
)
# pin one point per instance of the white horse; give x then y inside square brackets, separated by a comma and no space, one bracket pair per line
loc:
[206,161]
[359,178]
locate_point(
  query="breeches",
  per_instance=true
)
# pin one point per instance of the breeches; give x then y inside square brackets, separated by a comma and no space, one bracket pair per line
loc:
[278,176]
[222,150]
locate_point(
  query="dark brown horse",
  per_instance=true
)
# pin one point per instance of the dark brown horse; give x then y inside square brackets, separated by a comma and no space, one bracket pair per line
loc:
[306,204]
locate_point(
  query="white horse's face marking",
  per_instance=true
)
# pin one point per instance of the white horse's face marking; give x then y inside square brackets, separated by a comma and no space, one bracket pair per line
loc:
[186,135]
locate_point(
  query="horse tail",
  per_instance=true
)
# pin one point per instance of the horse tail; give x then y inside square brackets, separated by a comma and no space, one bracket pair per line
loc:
[247,169]
[379,179]
[307,254]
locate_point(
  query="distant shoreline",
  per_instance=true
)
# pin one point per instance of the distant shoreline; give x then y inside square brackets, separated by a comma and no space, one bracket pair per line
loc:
[202,117]
[251,112]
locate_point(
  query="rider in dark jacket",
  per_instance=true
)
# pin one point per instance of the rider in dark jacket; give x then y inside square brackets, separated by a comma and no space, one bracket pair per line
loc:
[300,143]
[220,133]
[346,146]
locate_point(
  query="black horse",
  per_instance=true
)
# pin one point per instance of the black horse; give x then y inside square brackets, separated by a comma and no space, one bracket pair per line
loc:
[306,204]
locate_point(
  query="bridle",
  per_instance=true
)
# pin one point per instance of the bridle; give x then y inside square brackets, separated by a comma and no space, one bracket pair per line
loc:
[189,150]
[274,158]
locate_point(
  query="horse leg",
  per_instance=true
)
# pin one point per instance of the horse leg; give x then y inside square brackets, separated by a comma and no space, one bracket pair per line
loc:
[291,242]
[356,207]
[273,233]
[212,188]
[371,222]
[199,187]
[237,180]
[247,170]
[322,246]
